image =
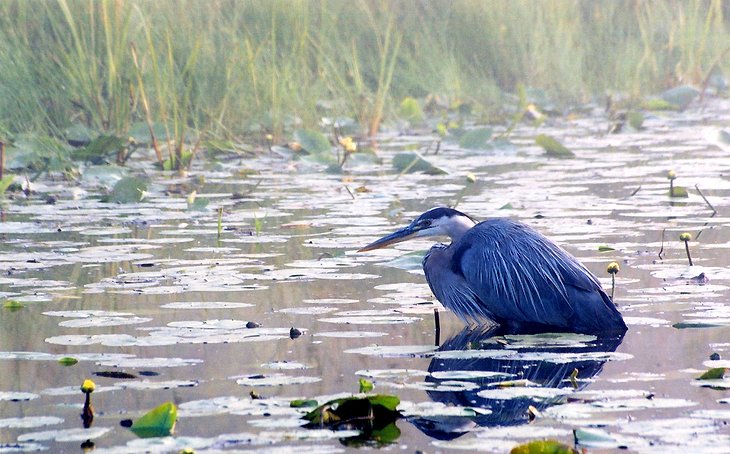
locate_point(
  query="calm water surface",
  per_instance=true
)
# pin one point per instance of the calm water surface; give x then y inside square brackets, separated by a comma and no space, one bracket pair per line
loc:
[149,289]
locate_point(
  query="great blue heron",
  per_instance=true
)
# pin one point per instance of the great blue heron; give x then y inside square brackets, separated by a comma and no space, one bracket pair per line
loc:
[505,272]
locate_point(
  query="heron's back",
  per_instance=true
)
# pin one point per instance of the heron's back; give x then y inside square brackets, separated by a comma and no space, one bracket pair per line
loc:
[505,271]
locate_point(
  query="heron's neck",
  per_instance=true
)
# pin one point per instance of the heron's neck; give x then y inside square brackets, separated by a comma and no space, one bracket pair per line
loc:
[458,227]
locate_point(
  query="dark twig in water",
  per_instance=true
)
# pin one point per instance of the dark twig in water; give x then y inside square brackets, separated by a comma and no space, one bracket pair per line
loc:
[696,187]
[350,192]
[661,250]
[635,191]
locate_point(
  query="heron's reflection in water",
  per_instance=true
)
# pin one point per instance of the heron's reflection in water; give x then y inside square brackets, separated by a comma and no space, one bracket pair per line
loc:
[487,360]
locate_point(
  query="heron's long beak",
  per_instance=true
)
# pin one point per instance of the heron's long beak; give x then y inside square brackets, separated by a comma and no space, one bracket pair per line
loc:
[403,234]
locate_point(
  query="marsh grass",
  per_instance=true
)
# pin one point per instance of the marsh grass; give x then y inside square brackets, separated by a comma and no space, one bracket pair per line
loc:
[227,68]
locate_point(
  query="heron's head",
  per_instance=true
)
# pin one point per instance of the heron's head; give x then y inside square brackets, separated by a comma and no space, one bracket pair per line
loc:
[439,221]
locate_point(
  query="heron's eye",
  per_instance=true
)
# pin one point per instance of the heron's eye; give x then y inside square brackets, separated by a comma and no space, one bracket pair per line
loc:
[426,223]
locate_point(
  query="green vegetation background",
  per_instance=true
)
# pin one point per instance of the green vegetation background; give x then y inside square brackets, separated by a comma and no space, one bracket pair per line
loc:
[232,68]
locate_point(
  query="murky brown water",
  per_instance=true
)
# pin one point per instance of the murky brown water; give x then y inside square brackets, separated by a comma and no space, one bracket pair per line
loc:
[174,300]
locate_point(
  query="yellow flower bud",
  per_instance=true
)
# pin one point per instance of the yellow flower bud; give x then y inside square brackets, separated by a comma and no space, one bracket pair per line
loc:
[671,175]
[686,236]
[88,386]
[613,268]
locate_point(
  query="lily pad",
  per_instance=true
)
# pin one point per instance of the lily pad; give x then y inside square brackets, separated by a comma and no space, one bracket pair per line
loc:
[128,190]
[552,147]
[411,162]
[158,422]
[475,139]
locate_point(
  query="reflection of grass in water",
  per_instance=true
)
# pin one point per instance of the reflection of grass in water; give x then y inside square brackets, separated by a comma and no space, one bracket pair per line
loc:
[257,65]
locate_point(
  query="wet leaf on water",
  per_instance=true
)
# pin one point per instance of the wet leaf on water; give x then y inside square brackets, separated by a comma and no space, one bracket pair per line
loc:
[313,142]
[475,138]
[12,305]
[543,447]
[678,191]
[127,190]
[158,422]
[411,162]
[378,410]
[365,385]
[67,361]
[301,403]
[552,147]
[715,373]
[603,248]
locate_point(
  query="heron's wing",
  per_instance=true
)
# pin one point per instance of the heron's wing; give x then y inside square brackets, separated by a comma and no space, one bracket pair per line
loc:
[522,276]
[451,289]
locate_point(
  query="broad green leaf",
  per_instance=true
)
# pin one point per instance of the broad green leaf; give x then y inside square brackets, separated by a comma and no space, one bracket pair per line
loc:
[67,361]
[410,162]
[179,163]
[543,447]
[604,248]
[313,142]
[716,373]
[127,190]
[552,147]
[299,403]
[12,305]
[678,191]
[365,385]
[385,400]
[475,138]
[158,422]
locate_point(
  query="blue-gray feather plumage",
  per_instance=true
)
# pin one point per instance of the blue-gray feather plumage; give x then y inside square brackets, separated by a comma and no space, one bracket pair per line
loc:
[504,271]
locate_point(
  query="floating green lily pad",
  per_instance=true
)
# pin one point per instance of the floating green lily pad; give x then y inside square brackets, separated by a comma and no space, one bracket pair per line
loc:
[127,190]
[158,422]
[475,138]
[411,162]
[67,361]
[552,147]
[543,447]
